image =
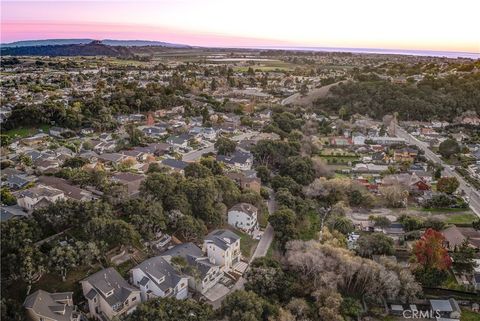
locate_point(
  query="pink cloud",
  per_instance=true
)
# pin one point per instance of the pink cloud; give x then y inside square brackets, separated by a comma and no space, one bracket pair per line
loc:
[31,30]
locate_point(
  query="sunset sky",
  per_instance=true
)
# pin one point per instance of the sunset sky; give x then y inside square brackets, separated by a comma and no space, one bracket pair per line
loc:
[406,24]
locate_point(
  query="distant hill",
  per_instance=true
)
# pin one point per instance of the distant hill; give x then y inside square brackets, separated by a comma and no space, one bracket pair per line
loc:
[94,48]
[108,42]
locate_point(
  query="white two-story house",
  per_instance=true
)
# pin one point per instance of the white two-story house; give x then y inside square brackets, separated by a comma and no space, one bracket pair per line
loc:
[208,273]
[222,248]
[244,217]
[157,278]
[109,296]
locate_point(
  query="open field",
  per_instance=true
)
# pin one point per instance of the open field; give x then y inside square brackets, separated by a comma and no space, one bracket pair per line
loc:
[23,132]
[307,100]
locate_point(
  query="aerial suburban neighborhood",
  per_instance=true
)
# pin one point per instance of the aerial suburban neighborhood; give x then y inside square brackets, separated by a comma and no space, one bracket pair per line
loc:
[279,185]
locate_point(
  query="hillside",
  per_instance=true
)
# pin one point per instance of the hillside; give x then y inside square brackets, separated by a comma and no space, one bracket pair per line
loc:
[94,48]
[108,42]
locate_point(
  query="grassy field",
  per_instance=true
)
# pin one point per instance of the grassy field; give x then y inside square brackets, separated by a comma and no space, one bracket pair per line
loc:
[468,315]
[247,243]
[23,132]
[461,218]
[310,226]
[268,66]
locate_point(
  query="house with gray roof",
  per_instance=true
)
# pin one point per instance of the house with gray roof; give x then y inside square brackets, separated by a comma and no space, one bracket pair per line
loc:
[204,273]
[11,212]
[243,216]
[109,296]
[157,278]
[239,160]
[42,305]
[222,248]
[180,141]
[446,309]
[31,197]
[176,165]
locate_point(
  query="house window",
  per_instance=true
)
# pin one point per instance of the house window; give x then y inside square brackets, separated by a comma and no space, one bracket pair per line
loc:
[134,298]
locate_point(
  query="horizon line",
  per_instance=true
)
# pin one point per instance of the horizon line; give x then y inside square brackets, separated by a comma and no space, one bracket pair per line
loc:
[366,50]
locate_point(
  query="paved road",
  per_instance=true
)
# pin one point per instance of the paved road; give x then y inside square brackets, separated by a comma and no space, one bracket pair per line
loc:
[197,154]
[470,191]
[260,251]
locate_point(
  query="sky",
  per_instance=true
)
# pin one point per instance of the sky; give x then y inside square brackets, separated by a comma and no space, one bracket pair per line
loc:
[390,24]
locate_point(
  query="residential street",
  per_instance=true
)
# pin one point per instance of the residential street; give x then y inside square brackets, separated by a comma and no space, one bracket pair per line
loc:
[470,191]
[197,154]
[260,251]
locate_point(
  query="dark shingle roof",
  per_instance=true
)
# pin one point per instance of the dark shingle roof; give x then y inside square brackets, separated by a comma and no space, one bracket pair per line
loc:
[158,268]
[108,280]
[50,305]
[222,238]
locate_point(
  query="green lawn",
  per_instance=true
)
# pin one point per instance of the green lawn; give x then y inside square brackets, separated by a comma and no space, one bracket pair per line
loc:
[468,315]
[247,243]
[464,218]
[23,132]
[309,227]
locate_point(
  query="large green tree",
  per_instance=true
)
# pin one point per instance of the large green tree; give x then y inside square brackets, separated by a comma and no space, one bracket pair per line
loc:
[448,184]
[246,306]
[448,148]
[168,309]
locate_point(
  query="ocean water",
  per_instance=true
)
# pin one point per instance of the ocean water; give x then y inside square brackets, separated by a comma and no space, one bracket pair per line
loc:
[426,53]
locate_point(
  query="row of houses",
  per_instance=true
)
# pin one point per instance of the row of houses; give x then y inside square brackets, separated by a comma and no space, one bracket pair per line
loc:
[176,273]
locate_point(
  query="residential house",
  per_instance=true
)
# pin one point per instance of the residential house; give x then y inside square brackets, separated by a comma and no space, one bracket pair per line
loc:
[406,154]
[180,141]
[42,306]
[46,165]
[210,273]
[446,309]
[387,140]
[11,212]
[222,248]
[359,139]
[341,141]
[369,168]
[157,278]
[239,160]
[112,158]
[176,165]
[31,197]
[427,131]
[244,217]
[69,190]
[17,181]
[157,149]
[34,140]
[58,132]
[131,180]
[455,236]
[100,146]
[471,120]
[153,131]
[246,182]
[411,181]
[109,296]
